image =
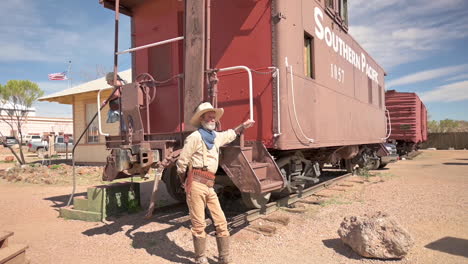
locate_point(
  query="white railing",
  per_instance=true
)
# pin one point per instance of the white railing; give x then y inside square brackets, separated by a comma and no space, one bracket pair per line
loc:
[99,112]
[150,45]
[389,125]
[249,72]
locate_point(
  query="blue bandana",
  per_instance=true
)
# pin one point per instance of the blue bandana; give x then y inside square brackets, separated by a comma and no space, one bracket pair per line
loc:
[208,137]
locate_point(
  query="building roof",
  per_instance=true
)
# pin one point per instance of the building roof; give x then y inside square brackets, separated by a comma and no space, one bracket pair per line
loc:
[66,96]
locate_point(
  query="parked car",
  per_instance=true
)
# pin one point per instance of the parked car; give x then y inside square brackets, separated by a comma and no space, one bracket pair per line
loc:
[31,138]
[59,145]
[10,141]
[391,157]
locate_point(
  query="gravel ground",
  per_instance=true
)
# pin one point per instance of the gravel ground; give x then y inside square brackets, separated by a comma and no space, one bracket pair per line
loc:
[427,195]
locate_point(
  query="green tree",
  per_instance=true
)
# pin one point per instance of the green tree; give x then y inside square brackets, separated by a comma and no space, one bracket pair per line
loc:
[448,125]
[18,96]
[445,126]
[433,126]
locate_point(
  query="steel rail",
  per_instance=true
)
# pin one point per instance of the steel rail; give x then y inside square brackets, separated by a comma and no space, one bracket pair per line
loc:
[249,216]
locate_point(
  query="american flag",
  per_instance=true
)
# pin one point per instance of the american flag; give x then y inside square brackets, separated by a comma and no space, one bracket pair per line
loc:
[58,76]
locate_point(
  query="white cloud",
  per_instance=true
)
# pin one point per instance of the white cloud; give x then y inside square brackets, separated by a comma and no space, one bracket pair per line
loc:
[30,35]
[47,109]
[395,32]
[52,86]
[463,76]
[427,75]
[457,91]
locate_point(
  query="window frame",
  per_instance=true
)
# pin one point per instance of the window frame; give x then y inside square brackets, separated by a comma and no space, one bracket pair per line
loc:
[97,137]
[309,57]
[335,11]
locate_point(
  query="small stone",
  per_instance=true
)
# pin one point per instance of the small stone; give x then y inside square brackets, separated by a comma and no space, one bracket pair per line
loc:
[376,236]
[9,158]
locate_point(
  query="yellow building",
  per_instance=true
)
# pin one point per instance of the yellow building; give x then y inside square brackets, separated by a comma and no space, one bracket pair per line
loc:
[83,98]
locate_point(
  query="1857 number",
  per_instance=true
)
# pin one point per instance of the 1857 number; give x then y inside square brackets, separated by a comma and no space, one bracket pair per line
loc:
[337,73]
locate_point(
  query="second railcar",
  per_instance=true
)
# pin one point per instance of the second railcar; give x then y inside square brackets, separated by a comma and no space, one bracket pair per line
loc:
[316,95]
[408,116]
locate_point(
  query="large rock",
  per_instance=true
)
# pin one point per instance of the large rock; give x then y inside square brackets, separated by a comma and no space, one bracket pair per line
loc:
[376,236]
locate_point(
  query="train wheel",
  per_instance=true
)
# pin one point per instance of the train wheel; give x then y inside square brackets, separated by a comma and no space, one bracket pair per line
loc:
[173,185]
[255,201]
[372,164]
[382,165]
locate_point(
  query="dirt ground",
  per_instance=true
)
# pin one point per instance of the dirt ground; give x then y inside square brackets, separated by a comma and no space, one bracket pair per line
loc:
[427,195]
[54,171]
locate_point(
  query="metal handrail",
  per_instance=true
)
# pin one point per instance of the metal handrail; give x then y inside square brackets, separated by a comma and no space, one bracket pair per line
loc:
[389,124]
[77,142]
[151,45]
[249,72]
[278,106]
[99,112]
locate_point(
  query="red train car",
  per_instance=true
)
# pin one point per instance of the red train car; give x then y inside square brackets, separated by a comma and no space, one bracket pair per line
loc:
[408,116]
[316,95]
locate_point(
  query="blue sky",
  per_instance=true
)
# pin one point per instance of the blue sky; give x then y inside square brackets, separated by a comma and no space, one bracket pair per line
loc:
[40,37]
[422,45]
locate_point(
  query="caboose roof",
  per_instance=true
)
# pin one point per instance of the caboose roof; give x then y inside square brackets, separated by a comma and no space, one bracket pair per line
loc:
[66,96]
[126,6]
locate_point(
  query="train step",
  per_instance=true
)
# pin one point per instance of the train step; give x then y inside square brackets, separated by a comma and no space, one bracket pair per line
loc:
[4,235]
[269,185]
[13,254]
[251,168]
[260,169]
[247,153]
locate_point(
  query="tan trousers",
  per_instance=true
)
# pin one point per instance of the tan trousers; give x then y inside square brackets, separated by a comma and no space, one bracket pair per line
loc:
[198,199]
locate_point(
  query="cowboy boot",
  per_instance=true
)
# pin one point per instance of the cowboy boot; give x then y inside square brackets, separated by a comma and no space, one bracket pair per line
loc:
[223,250]
[199,245]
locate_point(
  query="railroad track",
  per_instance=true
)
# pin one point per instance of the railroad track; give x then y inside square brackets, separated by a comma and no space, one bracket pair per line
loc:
[178,213]
[251,215]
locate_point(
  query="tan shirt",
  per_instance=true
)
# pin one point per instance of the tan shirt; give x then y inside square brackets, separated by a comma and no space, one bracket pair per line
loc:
[193,151]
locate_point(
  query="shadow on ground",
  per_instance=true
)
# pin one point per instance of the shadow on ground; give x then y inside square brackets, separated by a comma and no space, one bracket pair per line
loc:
[340,248]
[156,242]
[61,200]
[456,163]
[450,245]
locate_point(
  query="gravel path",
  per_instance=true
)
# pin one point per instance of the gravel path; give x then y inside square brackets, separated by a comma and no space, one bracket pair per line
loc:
[427,195]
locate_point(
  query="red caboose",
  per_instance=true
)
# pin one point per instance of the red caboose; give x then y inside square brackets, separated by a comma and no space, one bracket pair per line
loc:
[316,96]
[408,115]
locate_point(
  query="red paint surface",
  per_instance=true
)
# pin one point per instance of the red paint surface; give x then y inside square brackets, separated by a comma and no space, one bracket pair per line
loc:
[235,25]
[156,21]
[408,116]
[241,35]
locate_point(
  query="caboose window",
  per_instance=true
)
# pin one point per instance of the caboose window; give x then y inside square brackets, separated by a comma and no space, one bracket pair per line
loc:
[309,56]
[380,96]
[344,11]
[92,135]
[369,87]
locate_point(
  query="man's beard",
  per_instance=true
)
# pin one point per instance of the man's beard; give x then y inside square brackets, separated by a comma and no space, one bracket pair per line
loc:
[209,125]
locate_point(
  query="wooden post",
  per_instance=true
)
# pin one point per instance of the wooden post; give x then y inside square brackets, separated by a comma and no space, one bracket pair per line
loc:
[194,61]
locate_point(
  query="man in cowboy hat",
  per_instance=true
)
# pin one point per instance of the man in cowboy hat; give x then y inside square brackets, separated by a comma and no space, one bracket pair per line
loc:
[201,154]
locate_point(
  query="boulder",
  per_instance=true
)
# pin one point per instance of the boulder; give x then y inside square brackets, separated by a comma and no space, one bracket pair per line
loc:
[376,236]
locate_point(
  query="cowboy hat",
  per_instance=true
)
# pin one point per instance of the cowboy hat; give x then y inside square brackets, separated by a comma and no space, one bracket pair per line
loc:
[204,108]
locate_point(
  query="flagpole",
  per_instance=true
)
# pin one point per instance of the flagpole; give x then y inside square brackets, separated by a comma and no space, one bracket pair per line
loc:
[69,74]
